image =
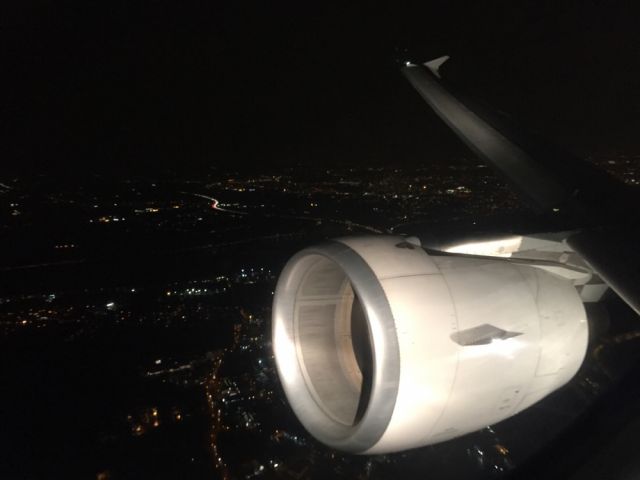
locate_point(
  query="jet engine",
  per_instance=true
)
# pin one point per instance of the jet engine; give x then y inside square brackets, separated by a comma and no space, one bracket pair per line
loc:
[381,346]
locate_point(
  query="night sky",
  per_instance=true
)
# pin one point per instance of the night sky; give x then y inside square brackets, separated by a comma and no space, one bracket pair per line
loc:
[130,87]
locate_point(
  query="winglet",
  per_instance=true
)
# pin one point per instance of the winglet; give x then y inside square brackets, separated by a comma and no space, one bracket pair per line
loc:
[435,64]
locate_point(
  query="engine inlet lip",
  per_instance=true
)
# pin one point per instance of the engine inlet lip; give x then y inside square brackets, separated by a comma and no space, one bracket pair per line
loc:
[369,429]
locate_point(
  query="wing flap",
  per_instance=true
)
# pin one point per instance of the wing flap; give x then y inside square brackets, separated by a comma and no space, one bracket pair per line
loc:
[613,257]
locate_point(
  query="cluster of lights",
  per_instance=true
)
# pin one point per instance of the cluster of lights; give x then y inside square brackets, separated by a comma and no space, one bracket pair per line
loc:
[109,219]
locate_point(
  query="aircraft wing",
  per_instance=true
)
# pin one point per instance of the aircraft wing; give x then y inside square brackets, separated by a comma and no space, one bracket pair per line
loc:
[552,181]
[485,139]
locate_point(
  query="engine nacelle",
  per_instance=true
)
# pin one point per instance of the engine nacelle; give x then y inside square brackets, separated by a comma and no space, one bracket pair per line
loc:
[382,347]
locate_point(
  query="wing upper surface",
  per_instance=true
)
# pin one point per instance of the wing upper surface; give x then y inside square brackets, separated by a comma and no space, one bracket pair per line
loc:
[605,210]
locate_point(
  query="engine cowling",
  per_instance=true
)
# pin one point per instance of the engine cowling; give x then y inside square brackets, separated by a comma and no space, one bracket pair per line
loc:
[382,347]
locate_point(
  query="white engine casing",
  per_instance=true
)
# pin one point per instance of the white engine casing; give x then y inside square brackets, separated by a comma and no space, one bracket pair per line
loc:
[456,343]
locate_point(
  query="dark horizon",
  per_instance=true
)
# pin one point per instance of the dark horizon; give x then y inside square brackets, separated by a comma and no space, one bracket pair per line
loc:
[131,89]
